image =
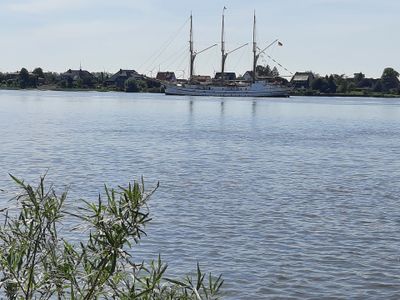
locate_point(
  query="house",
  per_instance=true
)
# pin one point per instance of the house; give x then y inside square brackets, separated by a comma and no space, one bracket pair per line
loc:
[227,76]
[166,76]
[201,78]
[302,80]
[119,78]
[16,78]
[248,76]
[11,78]
[80,76]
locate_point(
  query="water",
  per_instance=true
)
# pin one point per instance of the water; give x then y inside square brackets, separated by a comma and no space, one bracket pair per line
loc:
[286,197]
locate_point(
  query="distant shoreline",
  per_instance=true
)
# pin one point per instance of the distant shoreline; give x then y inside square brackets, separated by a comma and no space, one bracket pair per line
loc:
[347,95]
[105,90]
[302,83]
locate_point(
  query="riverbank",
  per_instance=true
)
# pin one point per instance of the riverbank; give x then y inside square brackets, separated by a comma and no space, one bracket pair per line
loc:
[292,93]
[350,95]
[61,89]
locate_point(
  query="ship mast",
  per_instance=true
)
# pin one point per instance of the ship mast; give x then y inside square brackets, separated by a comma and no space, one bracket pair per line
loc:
[223,54]
[255,56]
[193,53]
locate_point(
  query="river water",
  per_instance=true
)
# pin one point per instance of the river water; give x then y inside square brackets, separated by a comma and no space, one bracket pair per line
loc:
[290,198]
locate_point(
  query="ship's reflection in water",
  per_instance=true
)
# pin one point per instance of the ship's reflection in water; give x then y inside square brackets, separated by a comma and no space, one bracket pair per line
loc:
[222,102]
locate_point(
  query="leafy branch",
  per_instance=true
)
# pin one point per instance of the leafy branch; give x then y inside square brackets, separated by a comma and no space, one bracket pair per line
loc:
[36,263]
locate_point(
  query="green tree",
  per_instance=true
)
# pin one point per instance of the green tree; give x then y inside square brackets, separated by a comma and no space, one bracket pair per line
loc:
[38,72]
[153,84]
[33,80]
[331,86]
[263,71]
[325,84]
[390,79]
[23,78]
[366,83]
[50,77]
[351,86]
[79,83]
[343,87]
[358,78]
[274,72]
[62,84]
[87,81]
[133,85]
[378,86]
[69,82]
[318,84]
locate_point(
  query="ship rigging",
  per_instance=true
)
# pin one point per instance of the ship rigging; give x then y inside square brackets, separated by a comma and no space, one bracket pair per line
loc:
[224,88]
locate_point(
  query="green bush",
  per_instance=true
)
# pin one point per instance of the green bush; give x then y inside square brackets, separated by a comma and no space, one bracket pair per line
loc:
[38,263]
[131,85]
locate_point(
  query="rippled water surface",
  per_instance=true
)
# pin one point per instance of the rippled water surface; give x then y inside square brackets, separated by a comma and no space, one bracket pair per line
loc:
[287,198]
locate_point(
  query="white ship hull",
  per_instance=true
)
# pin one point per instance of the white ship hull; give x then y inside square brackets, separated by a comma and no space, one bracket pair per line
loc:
[257,89]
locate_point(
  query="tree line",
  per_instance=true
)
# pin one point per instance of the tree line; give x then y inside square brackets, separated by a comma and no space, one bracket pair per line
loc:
[359,84]
[334,84]
[24,79]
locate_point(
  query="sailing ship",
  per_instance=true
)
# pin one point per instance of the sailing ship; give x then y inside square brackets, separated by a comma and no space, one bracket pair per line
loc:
[222,87]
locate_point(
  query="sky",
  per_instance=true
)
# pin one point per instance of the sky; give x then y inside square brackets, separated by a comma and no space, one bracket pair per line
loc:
[324,36]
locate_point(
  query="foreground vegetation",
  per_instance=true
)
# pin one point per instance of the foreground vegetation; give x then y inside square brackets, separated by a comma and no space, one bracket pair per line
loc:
[37,262]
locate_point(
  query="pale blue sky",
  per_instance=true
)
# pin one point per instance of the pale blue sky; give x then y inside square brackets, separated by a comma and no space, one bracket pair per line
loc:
[326,36]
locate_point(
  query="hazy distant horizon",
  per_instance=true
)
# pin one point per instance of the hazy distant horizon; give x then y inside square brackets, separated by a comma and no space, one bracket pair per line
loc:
[325,36]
